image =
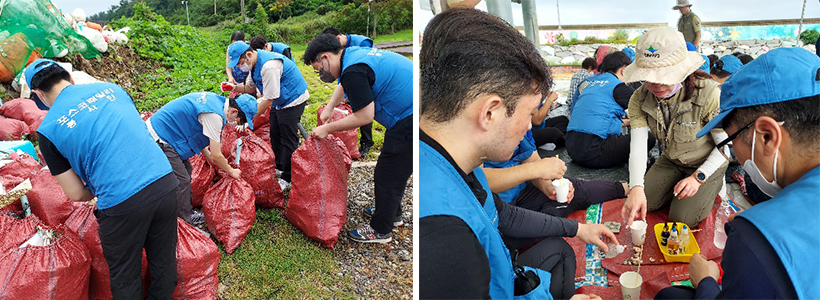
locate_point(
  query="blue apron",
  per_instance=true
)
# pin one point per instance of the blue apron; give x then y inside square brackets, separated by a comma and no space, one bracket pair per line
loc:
[523,151]
[291,85]
[393,87]
[595,110]
[177,123]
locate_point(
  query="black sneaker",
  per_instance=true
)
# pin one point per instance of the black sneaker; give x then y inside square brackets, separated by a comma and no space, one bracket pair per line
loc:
[397,222]
[366,234]
[364,150]
[197,218]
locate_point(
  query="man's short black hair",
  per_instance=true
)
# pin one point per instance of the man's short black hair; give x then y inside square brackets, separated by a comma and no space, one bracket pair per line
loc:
[799,117]
[712,59]
[241,114]
[589,64]
[48,77]
[468,53]
[237,36]
[321,43]
[258,42]
[331,30]
[745,58]
[614,61]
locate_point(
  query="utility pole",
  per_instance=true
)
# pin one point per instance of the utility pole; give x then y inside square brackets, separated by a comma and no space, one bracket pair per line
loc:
[186,12]
[214,6]
[800,29]
[558,8]
[244,20]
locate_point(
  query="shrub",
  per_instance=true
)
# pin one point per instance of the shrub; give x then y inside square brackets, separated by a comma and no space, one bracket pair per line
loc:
[809,36]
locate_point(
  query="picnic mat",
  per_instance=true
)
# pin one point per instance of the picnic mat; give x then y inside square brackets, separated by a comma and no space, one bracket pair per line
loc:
[591,270]
[650,287]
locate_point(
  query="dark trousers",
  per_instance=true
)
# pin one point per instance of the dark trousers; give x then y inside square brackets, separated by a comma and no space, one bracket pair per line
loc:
[591,151]
[284,135]
[182,171]
[587,192]
[366,136]
[553,131]
[394,167]
[149,224]
[553,255]
[676,292]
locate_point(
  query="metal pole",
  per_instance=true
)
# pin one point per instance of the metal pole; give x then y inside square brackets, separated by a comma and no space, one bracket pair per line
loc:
[501,9]
[558,9]
[530,21]
[214,6]
[187,14]
[800,29]
[244,20]
[367,30]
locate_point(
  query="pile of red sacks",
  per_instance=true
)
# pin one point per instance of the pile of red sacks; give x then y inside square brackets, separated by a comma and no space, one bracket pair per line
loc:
[18,117]
[73,265]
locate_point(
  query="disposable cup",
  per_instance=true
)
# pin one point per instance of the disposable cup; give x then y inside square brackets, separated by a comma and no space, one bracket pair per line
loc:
[631,285]
[638,229]
[561,189]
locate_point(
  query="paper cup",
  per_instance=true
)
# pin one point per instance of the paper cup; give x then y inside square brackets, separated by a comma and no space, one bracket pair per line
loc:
[638,229]
[561,189]
[631,285]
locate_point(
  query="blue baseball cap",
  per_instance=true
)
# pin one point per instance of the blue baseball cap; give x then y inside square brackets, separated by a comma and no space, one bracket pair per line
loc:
[705,66]
[247,104]
[235,51]
[629,52]
[781,74]
[691,47]
[34,68]
[731,63]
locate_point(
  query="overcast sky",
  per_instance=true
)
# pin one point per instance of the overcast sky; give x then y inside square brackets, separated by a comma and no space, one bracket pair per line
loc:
[600,11]
[574,12]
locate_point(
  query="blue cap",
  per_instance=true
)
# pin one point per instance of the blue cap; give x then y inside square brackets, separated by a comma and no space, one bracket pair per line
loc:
[705,66]
[34,68]
[235,51]
[691,47]
[781,74]
[731,63]
[629,52]
[247,104]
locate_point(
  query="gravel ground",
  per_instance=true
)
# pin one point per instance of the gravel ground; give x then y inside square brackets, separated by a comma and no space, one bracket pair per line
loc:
[379,271]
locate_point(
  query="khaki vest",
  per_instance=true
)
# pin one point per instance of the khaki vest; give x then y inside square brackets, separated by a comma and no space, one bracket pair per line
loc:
[678,140]
[686,26]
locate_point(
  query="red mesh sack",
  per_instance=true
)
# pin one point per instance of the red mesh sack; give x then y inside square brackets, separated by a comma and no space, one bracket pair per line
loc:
[229,211]
[25,110]
[197,262]
[262,120]
[14,232]
[9,182]
[318,198]
[56,271]
[349,137]
[23,166]
[202,178]
[228,138]
[83,223]
[259,169]
[12,129]
[263,132]
[47,199]
[146,115]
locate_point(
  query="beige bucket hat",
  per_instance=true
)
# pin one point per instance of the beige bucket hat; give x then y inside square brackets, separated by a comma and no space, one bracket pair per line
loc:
[681,3]
[661,57]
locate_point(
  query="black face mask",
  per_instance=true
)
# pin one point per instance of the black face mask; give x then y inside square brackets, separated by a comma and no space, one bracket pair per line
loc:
[325,75]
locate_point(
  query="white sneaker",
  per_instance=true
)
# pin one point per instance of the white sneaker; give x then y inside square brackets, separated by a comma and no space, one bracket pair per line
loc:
[278,173]
[284,184]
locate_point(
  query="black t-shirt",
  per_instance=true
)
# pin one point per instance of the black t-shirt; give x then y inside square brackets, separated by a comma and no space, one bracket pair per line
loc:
[57,163]
[622,93]
[357,81]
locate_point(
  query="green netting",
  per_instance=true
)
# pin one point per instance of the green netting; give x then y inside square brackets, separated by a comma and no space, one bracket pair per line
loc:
[44,27]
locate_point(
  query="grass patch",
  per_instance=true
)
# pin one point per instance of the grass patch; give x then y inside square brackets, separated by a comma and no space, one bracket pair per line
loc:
[276,260]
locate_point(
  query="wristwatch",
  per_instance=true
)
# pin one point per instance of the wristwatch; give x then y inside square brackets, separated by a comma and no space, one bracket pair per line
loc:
[700,177]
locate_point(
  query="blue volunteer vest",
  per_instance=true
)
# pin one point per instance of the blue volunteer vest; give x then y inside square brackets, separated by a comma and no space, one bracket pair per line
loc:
[393,87]
[523,151]
[177,123]
[595,110]
[444,192]
[355,40]
[238,75]
[292,84]
[97,128]
[279,48]
[789,221]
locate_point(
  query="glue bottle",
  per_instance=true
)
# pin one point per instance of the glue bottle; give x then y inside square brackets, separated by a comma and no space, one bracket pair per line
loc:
[684,239]
[672,242]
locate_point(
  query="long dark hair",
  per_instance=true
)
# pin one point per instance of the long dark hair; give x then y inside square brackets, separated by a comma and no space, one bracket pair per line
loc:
[689,85]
